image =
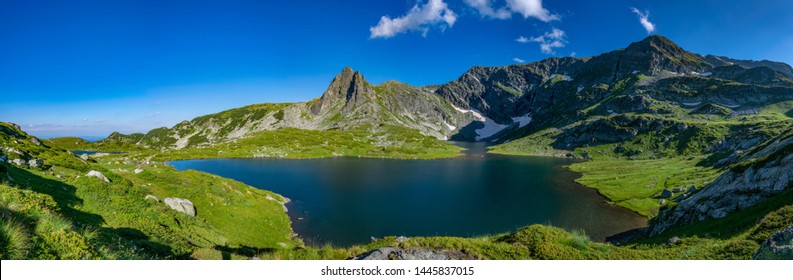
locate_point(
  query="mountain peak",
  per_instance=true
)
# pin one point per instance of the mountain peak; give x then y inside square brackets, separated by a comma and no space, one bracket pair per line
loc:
[656,43]
[657,53]
[348,86]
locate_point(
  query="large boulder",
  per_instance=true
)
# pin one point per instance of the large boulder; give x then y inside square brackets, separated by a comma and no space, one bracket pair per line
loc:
[97,174]
[181,205]
[36,163]
[19,162]
[777,247]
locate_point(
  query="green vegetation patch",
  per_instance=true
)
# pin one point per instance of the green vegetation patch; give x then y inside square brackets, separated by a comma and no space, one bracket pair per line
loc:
[637,184]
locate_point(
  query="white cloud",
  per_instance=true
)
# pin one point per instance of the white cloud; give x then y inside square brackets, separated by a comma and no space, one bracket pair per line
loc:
[527,8]
[522,39]
[644,20]
[531,8]
[518,60]
[572,54]
[419,18]
[486,10]
[550,40]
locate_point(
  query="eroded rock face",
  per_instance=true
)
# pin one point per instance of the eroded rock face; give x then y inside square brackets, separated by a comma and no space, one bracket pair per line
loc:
[735,189]
[393,253]
[777,247]
[181,205]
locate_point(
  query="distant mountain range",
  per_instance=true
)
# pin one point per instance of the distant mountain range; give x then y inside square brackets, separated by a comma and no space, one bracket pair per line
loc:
[499,104]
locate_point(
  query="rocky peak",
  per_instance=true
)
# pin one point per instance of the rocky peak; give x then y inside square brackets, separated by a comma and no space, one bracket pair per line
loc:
[657,53]
[726,61]
[349,87]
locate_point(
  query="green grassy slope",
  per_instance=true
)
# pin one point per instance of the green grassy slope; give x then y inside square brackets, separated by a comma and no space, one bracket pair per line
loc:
[56,212]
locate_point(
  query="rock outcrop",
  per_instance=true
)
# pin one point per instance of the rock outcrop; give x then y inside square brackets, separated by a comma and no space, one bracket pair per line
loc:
[97,174]
[181,205]
[777,247]
[763,174]
[393,253]
[36,163]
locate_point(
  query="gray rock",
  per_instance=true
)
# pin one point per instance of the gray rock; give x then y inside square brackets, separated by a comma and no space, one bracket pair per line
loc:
[181,205]
[673,240]
[18,152]
[19,162]
[393,253]
[36,163]
[84,156]
[777,247]
[692,189]
[666,194]
[3,158]
[662,201]
[138,170]
[35,141]
[402,239]
[677,190]
[97,174]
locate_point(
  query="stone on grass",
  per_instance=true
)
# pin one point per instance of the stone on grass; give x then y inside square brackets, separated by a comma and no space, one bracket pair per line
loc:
[36,163]
[181,205]
[97,174]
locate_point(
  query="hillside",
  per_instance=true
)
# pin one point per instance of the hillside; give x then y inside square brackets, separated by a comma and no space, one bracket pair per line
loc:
[51,209]
[55,205]
[680,138]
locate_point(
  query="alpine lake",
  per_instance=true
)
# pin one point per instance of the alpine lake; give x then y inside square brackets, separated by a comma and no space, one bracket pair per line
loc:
[344,200]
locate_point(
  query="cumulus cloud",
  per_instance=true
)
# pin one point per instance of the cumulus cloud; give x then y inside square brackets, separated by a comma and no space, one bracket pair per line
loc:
[522,39]
[531,8]
[644,20]
[556,38]
[419,18]
[486,9]
[526,8]
[518,60]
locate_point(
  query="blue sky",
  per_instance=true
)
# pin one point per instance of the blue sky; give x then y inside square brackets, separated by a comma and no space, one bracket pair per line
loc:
[88,68]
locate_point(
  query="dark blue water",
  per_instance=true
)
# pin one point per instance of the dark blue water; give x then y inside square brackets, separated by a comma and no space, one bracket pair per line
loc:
[346,201]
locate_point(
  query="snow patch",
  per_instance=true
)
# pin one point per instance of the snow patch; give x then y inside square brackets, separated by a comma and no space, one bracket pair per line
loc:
[491,127]
[476,114]
[635,72]
[522,120]
[580,88]
[451,127]
[730,106]
[692,103]
[564,77]
[705,74]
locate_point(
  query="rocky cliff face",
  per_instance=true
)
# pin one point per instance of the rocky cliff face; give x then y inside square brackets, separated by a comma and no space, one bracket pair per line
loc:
[348,89]
[764,173]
